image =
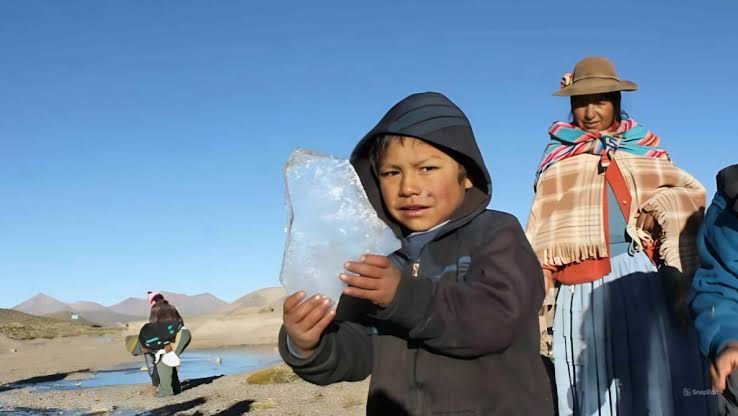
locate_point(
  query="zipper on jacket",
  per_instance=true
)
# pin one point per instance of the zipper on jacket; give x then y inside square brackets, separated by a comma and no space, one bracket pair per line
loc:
[418,393]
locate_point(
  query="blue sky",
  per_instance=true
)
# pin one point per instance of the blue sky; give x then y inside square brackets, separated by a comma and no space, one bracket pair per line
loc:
[142,143]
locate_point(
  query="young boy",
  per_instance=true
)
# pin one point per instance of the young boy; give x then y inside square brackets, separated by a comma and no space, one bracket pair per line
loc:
[447,324]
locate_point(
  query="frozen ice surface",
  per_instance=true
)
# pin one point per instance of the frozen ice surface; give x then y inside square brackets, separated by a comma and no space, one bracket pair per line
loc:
[330,221]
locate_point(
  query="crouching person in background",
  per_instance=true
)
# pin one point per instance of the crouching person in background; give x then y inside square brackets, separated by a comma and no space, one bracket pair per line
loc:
[164,338]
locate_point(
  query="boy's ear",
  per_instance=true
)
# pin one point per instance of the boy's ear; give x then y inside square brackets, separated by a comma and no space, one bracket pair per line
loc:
[467,183]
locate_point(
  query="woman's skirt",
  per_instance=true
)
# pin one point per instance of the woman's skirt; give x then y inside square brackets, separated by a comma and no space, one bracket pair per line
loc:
[619,350]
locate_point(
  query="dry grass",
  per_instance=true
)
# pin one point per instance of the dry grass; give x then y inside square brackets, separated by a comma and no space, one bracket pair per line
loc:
[275,375]
[22,326]
[262,405]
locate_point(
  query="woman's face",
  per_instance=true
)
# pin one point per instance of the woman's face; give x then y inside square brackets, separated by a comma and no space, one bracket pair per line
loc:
[594,112]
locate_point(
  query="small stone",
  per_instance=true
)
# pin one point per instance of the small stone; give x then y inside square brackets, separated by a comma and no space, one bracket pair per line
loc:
[14,350]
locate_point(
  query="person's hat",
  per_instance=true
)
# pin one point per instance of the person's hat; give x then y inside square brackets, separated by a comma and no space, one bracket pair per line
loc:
[593,75]
[152,296]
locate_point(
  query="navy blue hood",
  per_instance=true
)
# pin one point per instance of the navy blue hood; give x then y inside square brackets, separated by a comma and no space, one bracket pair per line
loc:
[433,118]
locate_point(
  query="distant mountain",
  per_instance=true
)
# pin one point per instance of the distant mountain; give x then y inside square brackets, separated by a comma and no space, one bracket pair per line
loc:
[132,307]
[42,304]
[83,306]
[195,305]
[87,312]
[202,304]
[106,317]
[258,300]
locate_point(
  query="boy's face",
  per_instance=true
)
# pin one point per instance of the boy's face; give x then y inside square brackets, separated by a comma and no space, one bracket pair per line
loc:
[420,184]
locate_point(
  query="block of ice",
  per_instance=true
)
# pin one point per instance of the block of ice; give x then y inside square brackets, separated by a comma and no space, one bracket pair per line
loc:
[330,221]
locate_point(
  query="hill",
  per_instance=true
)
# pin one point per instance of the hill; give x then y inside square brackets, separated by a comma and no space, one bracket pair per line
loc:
[195,305]
[95,313]
[102,317]
[187,305]
[21,326]
[271,297]
[83,306]
[132,307]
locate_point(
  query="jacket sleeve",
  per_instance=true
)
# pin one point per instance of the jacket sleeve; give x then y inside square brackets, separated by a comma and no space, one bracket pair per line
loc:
[345,353]
[501,294]
[714,297]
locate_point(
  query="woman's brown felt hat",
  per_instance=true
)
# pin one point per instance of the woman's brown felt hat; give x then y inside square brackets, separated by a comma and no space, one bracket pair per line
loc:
[593,75]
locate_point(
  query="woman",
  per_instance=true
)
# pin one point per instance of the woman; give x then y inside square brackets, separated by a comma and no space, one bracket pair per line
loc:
[613,224]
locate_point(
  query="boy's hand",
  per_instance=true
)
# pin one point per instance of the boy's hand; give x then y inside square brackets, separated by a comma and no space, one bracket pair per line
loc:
[725,363]
[305,322]
[376,279]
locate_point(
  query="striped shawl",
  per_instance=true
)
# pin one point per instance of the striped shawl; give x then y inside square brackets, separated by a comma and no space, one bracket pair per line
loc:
[566,223]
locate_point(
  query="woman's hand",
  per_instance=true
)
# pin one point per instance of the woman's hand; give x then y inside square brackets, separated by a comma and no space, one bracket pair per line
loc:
[305,322]
[725,363]
[647,222]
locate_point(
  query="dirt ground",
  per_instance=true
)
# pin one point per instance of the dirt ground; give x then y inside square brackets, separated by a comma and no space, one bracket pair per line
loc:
[100,349]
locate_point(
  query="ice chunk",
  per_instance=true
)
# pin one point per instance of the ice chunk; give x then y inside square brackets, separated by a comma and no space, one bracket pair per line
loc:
[330,221]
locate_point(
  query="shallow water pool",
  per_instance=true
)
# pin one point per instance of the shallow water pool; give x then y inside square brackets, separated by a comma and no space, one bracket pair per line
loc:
[196,364]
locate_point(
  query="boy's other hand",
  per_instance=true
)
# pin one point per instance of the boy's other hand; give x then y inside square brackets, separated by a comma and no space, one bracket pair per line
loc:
[725,363]
[305,322]
[376,279]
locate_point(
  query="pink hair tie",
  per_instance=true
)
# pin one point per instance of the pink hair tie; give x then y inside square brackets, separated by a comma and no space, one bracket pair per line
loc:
[151,296]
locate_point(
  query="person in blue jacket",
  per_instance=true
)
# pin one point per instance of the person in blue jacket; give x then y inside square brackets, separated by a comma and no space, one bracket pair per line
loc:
[714,298]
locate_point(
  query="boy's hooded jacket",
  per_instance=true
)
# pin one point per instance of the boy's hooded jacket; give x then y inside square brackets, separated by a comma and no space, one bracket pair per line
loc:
[461,337]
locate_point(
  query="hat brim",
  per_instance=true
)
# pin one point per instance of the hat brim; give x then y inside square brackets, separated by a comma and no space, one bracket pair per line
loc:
[595,86]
